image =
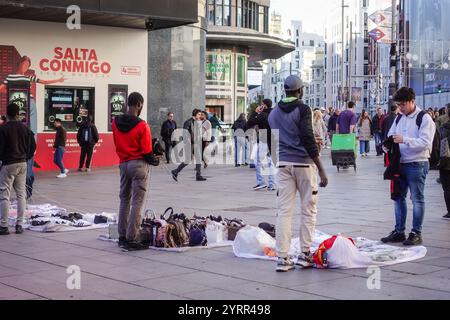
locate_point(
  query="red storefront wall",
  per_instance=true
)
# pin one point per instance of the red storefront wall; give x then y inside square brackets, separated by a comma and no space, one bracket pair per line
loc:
[104,152]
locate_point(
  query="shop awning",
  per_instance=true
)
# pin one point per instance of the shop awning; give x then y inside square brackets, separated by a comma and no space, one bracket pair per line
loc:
[139,14]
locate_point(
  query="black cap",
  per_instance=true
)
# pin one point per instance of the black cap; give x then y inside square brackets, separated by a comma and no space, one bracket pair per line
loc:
[293,83]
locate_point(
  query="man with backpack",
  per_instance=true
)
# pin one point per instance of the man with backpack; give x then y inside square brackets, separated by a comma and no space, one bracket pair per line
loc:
[298,164]
[414,131]
[87,138]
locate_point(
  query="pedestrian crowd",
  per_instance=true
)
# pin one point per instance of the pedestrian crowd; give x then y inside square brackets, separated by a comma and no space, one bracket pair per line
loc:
[282,142]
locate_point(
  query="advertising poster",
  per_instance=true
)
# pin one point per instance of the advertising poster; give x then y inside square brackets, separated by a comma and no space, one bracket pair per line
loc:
[117,102]
[357,94]
[218,67]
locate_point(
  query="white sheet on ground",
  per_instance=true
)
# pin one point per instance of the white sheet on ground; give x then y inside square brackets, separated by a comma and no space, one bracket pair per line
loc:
[48,213]
[251,241]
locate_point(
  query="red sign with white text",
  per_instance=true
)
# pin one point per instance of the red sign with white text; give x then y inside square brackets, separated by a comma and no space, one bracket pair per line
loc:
[75,60]
[104,152]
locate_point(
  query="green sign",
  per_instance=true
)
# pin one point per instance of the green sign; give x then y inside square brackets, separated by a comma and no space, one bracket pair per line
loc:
[241,70]
[218,67]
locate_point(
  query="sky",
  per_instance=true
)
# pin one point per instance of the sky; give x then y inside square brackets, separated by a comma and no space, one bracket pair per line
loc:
[313,13]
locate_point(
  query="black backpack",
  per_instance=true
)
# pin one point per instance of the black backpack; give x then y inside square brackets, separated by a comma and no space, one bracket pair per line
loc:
[435,152]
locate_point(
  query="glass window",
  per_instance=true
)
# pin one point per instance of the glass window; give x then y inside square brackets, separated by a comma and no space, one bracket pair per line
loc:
[226,13]
[239,13]
[211,12]
[219,15]
[218,67]
[261,19]
[241,70]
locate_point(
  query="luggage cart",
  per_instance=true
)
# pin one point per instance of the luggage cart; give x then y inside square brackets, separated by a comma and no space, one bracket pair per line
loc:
[344,151]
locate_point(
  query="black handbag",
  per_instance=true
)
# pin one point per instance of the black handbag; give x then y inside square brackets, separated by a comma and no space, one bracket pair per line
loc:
[149,229]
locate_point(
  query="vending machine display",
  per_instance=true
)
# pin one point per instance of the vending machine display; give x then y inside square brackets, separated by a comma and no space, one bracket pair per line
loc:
[71,105]
[117,102]
[21,97]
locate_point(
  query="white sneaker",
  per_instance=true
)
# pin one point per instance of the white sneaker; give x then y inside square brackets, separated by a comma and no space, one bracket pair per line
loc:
[62,176]
[66,171]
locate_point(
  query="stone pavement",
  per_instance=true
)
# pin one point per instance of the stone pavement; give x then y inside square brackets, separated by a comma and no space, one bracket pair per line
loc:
[34,265]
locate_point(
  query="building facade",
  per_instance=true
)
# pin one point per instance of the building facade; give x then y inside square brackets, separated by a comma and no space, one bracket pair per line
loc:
[236,40]
[424,50]
[53,72]
[306,61]
[347,55]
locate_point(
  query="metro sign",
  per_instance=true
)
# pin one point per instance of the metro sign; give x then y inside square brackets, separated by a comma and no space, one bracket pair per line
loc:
[377,18]
[377,34]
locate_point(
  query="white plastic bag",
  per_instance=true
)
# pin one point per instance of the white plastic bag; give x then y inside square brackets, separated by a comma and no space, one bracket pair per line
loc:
[216,232]
[345,255]
[250,242]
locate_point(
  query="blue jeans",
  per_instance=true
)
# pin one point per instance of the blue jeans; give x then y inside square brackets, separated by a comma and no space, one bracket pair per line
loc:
[364,147]
[262,155]
[58,158]
[378,139]
[413,176]
[240,147]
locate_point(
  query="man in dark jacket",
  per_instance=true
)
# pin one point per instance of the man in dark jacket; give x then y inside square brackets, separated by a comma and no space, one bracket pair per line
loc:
[87,138]
[298,162]
[17,146]
[444,164]
[167,129]
[133,141]
[193,127]
[60,147]
[388,121]
[376,131]
[240,145]
[332,124]
[259,120]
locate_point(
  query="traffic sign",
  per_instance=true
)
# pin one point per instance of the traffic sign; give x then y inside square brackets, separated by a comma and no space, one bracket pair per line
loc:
[377,18]
[377,34]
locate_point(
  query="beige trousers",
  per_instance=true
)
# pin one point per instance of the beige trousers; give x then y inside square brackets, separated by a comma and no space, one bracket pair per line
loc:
[290,180]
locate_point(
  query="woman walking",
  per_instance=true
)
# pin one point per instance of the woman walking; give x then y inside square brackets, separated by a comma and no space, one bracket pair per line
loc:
[364,134]
[319,128]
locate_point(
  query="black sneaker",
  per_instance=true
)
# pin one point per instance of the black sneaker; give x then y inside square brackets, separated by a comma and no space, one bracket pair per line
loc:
[4,231]
[174,175]
[19,229]
[447,216]
[394,237]
[122,242]
[414,239]
[200,178]
[134,246]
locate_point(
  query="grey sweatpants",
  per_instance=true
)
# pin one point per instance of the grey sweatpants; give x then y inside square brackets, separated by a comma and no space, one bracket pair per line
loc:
[13,176]
[134,177]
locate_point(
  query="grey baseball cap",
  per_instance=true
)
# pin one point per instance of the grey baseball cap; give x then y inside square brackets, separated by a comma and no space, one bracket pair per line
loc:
[293,83]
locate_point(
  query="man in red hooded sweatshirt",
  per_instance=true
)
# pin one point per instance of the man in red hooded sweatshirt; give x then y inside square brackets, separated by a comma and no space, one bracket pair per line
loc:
[133,141]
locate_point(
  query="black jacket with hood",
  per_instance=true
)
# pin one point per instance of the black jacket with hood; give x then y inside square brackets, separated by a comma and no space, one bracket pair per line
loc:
[93,137]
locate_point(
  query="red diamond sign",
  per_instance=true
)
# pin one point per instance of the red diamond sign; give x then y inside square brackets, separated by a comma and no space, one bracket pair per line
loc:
[377,34]
[377,17]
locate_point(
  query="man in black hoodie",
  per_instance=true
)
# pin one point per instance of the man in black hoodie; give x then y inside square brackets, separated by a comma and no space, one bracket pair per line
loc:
[298,163]
[17,146]
[259,120]
[87,138]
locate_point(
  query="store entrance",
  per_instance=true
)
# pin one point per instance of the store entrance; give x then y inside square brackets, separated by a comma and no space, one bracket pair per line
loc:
[71,105]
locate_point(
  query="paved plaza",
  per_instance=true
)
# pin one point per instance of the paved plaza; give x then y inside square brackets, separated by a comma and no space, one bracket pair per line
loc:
[34,265]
